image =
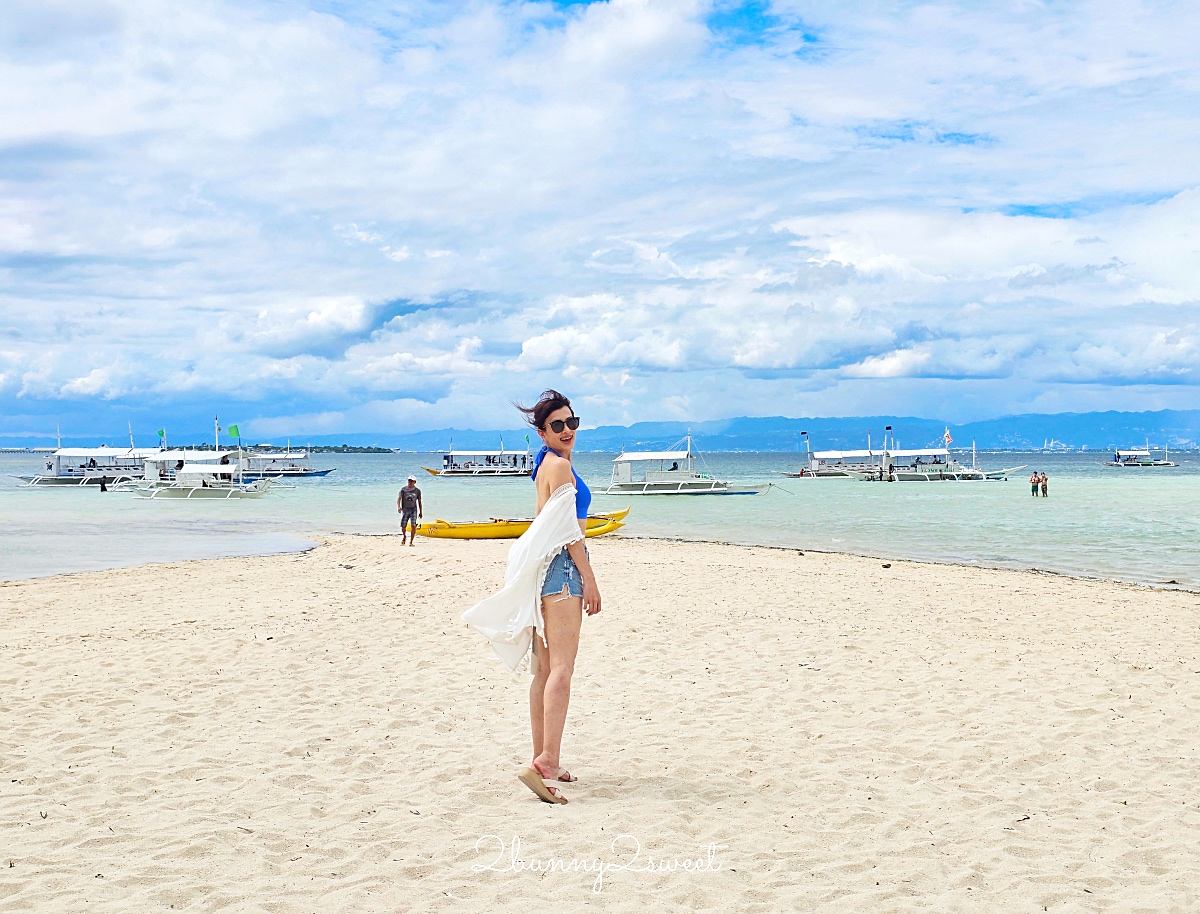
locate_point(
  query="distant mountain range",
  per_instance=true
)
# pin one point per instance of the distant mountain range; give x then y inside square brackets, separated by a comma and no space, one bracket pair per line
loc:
[1175,428]
[1179,429]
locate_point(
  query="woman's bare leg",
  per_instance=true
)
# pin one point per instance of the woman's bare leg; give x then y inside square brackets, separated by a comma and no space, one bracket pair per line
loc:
[563,618]
[537,695]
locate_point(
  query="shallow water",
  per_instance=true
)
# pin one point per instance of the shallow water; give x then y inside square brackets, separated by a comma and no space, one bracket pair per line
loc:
[1133,525]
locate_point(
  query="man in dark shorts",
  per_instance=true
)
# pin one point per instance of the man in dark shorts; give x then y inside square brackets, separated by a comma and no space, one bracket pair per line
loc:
[410,508]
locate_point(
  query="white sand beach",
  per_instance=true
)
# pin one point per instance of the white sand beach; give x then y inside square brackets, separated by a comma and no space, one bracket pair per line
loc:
[320,732]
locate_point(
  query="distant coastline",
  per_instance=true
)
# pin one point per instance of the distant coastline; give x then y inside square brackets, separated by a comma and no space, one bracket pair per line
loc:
[1178,430]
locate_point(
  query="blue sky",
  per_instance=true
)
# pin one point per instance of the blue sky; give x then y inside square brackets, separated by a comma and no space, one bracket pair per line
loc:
[356,216]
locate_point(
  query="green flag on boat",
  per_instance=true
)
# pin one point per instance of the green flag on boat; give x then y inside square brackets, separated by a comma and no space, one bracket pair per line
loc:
[233,432]
[162,433]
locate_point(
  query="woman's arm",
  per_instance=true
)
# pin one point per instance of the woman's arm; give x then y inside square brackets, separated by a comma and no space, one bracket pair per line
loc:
[591,592]
[560,475]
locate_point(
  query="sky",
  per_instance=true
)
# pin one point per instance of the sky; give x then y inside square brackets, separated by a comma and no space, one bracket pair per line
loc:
[333,216]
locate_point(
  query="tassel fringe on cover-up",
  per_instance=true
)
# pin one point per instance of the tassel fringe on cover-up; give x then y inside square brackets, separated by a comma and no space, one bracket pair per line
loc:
[510,618]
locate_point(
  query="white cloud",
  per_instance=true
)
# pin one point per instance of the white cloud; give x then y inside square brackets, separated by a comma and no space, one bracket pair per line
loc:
[440,204]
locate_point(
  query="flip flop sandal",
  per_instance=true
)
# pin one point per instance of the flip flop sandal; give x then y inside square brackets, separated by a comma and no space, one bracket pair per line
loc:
[563,777]
[531,779]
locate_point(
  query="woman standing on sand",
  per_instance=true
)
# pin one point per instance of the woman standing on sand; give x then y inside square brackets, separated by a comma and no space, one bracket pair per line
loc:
[548,586]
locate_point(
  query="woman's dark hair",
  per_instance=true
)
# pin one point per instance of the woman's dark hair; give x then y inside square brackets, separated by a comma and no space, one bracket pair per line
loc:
[548,402]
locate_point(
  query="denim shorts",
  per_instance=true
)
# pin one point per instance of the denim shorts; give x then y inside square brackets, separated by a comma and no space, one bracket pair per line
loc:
[563,574]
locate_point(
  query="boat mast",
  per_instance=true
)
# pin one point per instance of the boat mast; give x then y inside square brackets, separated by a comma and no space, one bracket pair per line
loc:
[216,435]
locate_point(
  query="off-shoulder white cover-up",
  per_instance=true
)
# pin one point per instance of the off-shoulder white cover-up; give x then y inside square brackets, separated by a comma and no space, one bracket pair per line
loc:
[510,617]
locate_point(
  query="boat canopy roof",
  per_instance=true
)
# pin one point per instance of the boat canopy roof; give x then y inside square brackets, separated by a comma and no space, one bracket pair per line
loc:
[194,456]
[484,453]
[208,469]
[105,451]
[651,455]
[278,455]
[1134,452]
[845,455]
[922,452]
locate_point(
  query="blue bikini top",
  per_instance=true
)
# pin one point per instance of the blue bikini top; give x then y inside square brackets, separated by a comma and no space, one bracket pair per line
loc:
[583,495]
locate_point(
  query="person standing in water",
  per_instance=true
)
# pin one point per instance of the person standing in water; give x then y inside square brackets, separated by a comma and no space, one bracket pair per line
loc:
[1034,481]
[410,507]
[1045,481]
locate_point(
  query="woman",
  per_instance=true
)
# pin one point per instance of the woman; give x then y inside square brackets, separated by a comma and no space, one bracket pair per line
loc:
[548,586]
[568,591]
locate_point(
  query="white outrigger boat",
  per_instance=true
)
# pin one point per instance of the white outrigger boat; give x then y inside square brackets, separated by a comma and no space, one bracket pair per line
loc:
[924,465]
[680,478]
[287,464]
[837,464]
[485,464]
[892,464]
[200,474]
[930,465]
[1140,457]
[89,466]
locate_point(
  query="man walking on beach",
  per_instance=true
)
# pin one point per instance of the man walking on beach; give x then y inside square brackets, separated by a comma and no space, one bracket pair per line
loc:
[1034,482]
[410,507]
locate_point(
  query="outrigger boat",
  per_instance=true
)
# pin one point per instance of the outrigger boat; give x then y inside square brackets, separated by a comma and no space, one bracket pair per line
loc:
[499,528]
[893,465]
[680,478]
[200,474]
[1140,457]
[485,464]
[287,464]
[836,464]
[88,466]
[930,465]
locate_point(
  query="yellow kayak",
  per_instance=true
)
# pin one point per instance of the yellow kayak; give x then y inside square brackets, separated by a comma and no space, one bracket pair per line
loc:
[501,529]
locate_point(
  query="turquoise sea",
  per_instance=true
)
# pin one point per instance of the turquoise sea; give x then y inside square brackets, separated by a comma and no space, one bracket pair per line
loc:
[1132,525]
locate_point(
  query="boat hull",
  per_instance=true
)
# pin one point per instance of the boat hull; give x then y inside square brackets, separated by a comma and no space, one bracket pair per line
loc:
[683,488]
[282,474]
[501,529]
[1142,466]
[820,474]
[941,476]
[256,489]
[480,473]
[57,481]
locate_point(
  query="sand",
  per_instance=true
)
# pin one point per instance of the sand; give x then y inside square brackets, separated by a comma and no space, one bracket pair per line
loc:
[319,732]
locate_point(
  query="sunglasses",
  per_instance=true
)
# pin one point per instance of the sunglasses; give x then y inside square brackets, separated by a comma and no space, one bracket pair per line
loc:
[559,424]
